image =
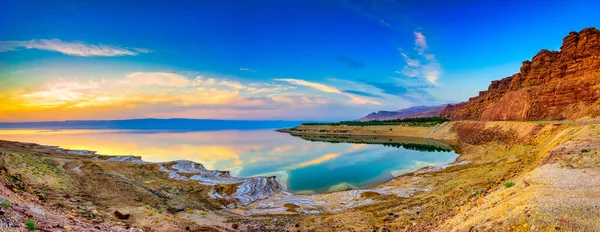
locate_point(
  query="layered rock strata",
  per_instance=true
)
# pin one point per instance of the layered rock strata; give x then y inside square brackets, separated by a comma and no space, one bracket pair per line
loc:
[554,85]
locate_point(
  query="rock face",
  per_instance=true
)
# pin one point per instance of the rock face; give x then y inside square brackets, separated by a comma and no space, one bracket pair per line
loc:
[552,86]
[412,112]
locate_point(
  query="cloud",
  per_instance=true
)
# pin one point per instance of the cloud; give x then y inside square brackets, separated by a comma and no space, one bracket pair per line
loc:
[75,48]
[167,95]
[412,63]
[330,89]
[351,62]
[361,93]
[390,88]
[156,79]
[420,42]
[424,66]
[414,93]
[317,86]
[247,70]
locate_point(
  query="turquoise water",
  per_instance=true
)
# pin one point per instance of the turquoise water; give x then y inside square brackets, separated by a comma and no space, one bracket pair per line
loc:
[299,164]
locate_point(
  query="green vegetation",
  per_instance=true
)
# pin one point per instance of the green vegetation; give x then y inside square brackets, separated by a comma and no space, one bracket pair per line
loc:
[5,204]
[509,184]
[585,150]
[30,224]
[176,192]
[409,146]
[426,121]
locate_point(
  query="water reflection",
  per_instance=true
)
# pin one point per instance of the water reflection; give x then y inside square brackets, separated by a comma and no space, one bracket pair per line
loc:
[301,164]
[397,142]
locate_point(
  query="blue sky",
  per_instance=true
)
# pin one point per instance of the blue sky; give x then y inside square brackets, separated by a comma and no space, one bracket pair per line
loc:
[324,60]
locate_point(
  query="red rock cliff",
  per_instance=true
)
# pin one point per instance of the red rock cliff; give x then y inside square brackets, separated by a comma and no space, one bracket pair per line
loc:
[552,86]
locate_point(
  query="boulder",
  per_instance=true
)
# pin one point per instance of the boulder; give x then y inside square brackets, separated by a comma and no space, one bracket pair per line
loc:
[122,214]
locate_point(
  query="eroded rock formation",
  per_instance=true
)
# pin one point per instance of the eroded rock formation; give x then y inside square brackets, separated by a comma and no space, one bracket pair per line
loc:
[552,86]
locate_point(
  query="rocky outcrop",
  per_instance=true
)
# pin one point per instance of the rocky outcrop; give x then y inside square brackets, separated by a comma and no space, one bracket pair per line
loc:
[412,112]
[552,86]
[235,191]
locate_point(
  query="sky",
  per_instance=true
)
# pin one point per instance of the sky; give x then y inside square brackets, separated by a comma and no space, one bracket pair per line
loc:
[285,60]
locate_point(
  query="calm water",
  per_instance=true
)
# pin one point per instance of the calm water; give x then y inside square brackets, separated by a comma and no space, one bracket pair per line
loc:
[299,164]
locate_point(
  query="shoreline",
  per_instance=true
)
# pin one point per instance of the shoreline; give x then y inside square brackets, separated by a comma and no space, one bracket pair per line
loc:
[277,174]
[535,158]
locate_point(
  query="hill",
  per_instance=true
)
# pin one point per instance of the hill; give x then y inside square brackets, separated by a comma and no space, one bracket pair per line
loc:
[412,112]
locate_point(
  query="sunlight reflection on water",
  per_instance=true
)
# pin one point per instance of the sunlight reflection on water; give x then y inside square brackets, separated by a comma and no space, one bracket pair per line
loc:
[300,165]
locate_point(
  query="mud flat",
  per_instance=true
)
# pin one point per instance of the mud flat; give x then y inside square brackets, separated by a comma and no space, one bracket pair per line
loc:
[518,176]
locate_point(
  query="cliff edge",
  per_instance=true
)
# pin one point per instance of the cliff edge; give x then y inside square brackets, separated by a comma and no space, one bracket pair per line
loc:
[552,86]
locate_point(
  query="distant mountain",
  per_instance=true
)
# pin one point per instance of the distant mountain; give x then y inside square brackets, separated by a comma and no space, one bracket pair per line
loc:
[156,124]
[412,112]
[554,85]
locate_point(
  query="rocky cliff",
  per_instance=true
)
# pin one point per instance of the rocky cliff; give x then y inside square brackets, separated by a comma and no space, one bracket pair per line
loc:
[554,85]
[412,112]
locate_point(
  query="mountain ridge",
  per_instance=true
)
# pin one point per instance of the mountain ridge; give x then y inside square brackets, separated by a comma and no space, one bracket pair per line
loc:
[411,112]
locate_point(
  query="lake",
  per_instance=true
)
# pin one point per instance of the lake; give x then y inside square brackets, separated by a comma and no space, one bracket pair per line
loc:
[301,164]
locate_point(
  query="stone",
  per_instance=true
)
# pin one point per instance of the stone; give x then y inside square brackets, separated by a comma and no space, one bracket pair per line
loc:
[235,226]
[136,230]
[175,208]
[122,214]
[67,228]
[40,213]
[554,85]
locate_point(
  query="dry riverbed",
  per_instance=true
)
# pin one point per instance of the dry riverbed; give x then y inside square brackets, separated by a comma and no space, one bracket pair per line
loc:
[520,176]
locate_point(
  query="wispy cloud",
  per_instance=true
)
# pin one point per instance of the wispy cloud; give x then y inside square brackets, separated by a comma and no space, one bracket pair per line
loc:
[164,94]
[413,63]
[414,93]
[420,42]
[352,63]
[156,79]
[321,87]
[424,66]
[361,93]
[75,48]
[330,89]
[247,70]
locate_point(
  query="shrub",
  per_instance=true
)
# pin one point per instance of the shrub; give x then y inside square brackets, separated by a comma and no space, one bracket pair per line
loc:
[509,184]
[585,150]
[5,204]
[30,224]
